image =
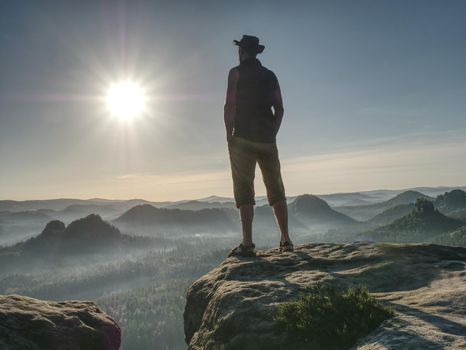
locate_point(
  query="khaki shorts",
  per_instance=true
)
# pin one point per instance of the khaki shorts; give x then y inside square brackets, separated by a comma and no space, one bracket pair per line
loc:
[244,155]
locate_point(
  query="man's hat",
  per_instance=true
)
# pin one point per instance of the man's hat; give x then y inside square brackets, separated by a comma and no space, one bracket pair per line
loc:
[250,42]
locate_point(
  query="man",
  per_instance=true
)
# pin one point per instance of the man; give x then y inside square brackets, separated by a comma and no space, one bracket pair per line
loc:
[253,114]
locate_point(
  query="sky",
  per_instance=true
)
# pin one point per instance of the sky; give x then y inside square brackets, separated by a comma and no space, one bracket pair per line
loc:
[374,95]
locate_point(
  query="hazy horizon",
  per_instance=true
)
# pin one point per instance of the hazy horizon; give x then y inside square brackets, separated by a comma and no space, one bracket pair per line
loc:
[231,197]
[373,95]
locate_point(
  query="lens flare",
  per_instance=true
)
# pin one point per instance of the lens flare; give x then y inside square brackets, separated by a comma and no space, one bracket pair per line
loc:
[126,99]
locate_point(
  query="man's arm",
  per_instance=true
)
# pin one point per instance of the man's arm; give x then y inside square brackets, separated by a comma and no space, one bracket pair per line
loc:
[229,110]
[277,104]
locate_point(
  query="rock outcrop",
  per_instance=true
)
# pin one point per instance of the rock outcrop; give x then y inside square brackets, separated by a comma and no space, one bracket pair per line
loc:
[233,306]
[27,323]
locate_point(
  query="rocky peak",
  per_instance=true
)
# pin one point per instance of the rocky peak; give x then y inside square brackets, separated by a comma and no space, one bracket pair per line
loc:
[424,206]
[27,323]
[233,306]
[453,200]
[53,228]
[308,202]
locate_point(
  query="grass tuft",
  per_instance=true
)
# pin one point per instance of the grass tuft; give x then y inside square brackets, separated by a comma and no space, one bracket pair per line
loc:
[332,318]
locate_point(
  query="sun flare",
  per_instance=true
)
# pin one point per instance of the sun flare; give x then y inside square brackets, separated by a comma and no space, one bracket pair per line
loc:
[126,99]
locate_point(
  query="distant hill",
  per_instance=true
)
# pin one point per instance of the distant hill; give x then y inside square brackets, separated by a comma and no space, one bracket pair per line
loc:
[205,219]
[86,241]
[421,225]
[84,236]
[313,210]
[455,238]
[215,199]
[24,216]
[199,205]
[367,212]
[63,203]
[348,199]
[451,202]
[391,214]
[76,211]
[54,204]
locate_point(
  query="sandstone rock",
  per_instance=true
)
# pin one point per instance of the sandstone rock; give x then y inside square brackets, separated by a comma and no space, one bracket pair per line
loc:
[31,324]
[233,306]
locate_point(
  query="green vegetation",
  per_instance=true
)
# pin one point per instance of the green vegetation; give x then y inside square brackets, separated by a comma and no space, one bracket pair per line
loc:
[456,238]
[332,318]
[391,214]
[368,211]
[144,294]
[421,225]
[451,201]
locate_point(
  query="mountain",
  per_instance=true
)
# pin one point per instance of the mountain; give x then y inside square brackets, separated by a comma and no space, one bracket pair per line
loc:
[391,214]
[366,212]
[75,211]
[234,306]
[89,235]
[24,216]
[348,199]
[451,202]
[421,225]
[199,205]
[313,210]
[215,199]
[86,235]
[54,204]
[205,219]
[455,238]
[405,198]
[63,203]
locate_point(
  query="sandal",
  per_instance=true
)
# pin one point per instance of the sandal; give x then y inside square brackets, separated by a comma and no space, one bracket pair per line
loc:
[286,246]
[243,250]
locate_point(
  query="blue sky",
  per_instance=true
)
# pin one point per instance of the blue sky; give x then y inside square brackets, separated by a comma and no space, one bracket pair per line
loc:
[374,95]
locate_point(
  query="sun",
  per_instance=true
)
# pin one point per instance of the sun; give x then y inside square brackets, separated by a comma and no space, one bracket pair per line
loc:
[126,99]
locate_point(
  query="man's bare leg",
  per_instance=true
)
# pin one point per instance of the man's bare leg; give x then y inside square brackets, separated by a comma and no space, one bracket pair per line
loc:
[280,210]
[247,215]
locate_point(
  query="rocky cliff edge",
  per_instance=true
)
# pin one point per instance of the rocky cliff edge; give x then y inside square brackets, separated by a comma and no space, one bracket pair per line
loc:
[27,323]
[233,306]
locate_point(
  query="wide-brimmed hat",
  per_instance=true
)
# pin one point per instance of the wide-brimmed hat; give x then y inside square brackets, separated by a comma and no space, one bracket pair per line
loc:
[250,42]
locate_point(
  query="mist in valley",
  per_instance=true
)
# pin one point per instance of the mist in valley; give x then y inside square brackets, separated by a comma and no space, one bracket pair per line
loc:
[136,259]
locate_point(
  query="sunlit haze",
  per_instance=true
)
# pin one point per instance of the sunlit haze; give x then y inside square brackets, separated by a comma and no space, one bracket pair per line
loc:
[124,99]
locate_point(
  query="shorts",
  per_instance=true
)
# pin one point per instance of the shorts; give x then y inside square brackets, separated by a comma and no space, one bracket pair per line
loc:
[244,155]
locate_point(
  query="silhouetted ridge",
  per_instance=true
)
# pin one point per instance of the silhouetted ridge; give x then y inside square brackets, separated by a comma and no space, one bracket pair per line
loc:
[451,201]
[53,229]
[147,215]
[317,210]
[370,211]
[309,202]
[406,198]
[423,223]
[81,236]
[91,227]
[391,214]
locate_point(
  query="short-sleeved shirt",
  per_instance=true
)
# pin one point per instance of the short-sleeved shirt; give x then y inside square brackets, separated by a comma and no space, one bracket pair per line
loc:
[254,118]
